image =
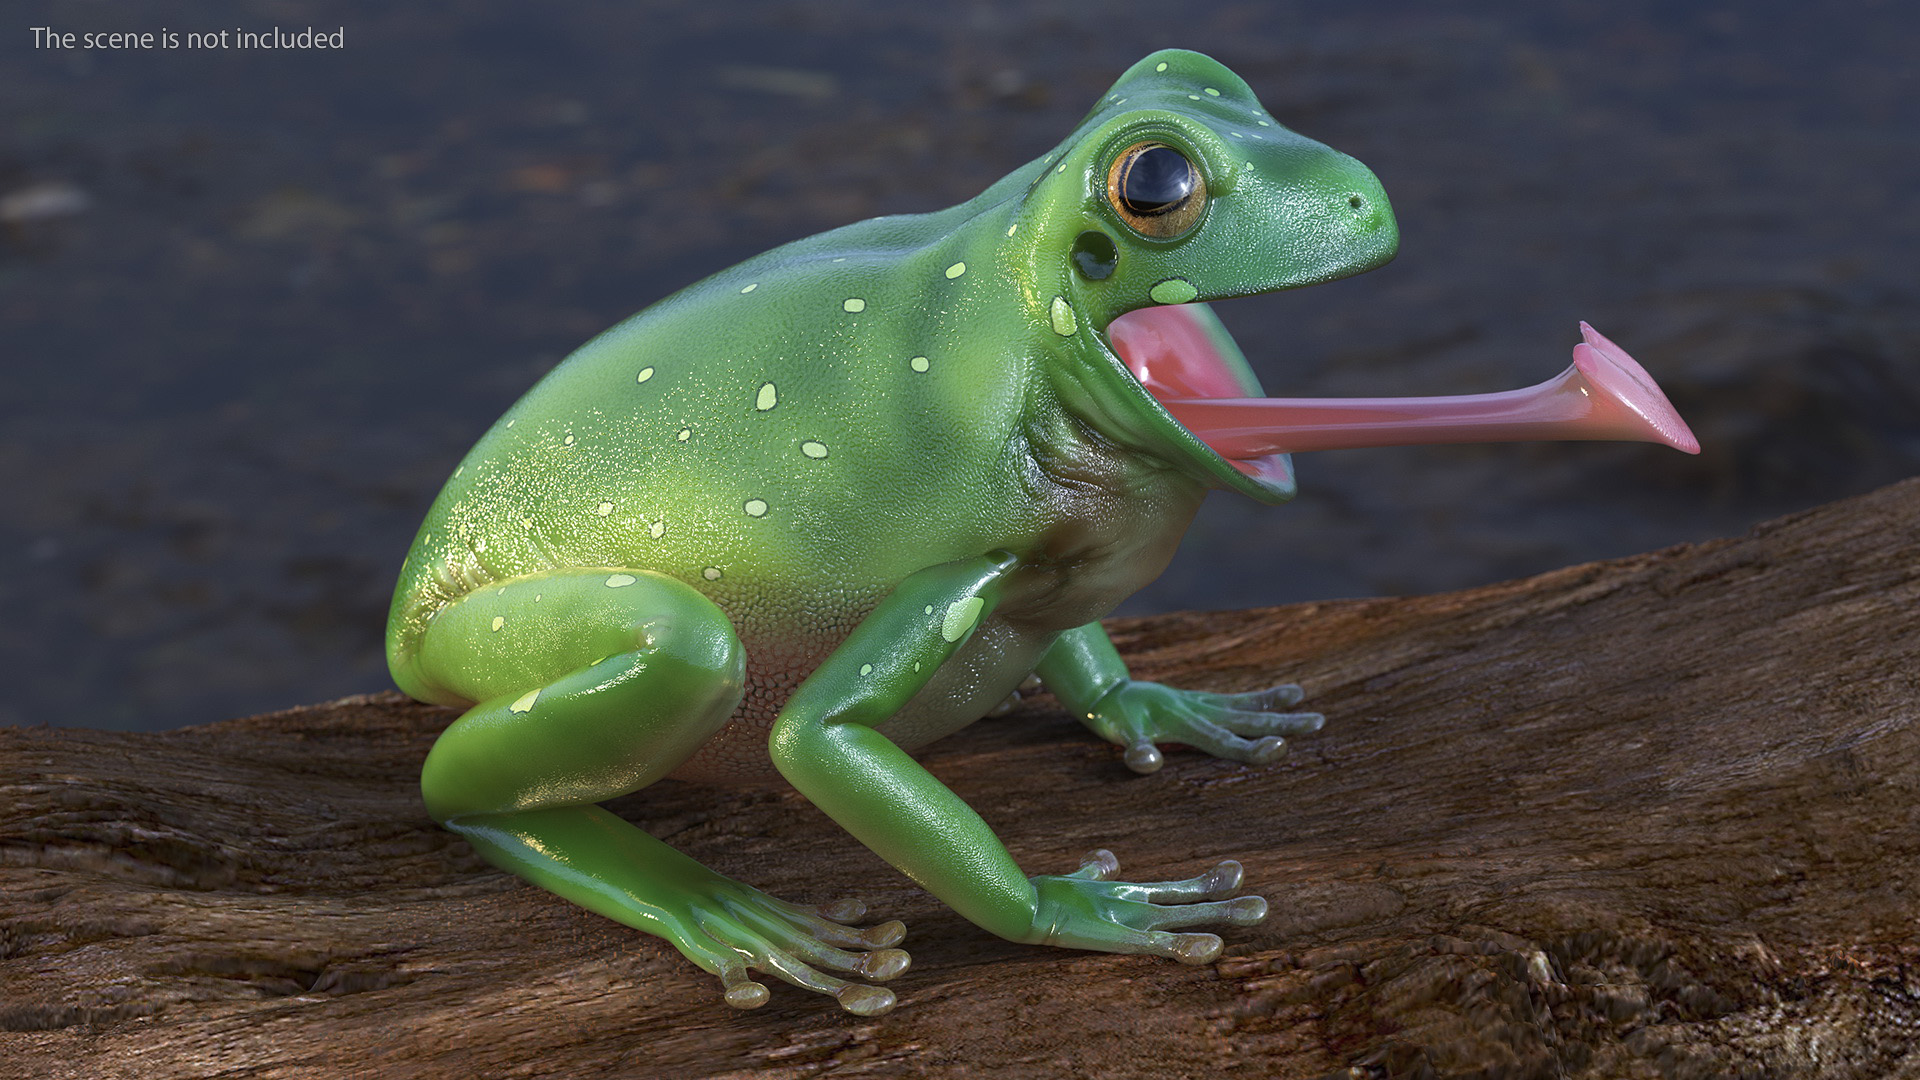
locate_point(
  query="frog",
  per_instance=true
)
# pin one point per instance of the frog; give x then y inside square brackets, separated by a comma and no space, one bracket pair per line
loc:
[812,513]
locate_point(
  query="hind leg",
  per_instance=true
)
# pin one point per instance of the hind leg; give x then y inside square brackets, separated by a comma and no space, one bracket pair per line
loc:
[589,684]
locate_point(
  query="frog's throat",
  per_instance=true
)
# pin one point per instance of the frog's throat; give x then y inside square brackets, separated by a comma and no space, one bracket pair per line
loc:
[1211,361]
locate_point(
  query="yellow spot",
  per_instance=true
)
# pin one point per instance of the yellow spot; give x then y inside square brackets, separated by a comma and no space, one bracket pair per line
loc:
[768,398]
[750,288]
[537,597]
[620,581]
[499,621]
[956,270]
[1236,135]
[928,610]
[458,471]
[916,665]
[1012,227]
[854,304]
[866,669]
[1062,168]
[685,434]
[510,423]
[645,374]
[1161,66]
[1263,123]
[756,508]
[525,703]
[711,573]
[1064,323]
[657,529]
[814,449]
[961,616]
[1193,97]
[1211,92]
[568,441]
[919,363]
[603,509]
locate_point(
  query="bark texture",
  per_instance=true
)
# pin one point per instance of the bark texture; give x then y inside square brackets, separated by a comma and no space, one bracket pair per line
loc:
[1655,817]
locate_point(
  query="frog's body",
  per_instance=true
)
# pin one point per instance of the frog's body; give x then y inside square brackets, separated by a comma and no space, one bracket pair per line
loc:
[729,475]
[842,499]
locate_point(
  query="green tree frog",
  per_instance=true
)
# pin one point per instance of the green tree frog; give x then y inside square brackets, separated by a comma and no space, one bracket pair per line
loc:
[822,508]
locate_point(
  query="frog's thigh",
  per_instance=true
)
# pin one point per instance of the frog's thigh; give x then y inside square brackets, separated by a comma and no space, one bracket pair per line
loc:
[589,684]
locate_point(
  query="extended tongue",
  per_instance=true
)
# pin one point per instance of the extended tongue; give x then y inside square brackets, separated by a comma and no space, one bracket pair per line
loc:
[1604,395]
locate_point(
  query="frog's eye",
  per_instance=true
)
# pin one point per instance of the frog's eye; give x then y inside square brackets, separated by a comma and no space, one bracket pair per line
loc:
[1156,190]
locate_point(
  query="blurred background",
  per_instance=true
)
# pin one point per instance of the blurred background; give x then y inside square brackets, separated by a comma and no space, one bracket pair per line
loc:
[254,305]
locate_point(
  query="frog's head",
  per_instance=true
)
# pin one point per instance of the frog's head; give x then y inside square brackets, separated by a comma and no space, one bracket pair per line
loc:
[1180,187]
[1195,193]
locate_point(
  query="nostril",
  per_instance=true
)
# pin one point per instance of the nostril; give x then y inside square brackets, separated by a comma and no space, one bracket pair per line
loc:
[1356,202]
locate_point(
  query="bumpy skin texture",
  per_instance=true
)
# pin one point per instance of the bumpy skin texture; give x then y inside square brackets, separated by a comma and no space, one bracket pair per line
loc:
[840,500]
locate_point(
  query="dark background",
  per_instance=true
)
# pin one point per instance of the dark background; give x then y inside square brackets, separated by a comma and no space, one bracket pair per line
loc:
[254,305]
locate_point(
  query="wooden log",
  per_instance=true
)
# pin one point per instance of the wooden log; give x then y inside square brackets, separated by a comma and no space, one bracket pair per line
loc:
[1658,816]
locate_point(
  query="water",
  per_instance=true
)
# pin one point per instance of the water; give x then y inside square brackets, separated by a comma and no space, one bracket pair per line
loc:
[255,304]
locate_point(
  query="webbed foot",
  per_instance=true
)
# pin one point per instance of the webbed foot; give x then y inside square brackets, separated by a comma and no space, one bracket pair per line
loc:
[1239,727]
[742,929]
[1086,910]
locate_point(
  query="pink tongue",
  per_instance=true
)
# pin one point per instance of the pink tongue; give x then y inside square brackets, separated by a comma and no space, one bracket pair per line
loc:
[1604,395]
[1172,354]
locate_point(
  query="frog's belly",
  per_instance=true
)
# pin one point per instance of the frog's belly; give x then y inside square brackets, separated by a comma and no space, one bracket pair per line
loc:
[990,666]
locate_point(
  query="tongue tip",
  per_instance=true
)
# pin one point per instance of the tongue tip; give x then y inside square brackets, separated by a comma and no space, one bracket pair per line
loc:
[1603,361]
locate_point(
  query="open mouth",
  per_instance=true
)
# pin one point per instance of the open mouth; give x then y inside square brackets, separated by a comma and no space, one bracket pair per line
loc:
[1187,363]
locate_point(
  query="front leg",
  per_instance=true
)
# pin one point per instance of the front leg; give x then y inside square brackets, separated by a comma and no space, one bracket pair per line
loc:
[1085,672]
[825,744]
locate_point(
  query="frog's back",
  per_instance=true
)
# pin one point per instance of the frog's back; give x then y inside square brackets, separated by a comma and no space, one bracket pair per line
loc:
[779,415]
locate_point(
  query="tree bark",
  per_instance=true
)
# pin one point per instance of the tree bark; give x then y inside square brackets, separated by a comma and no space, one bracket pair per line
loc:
[1654,817]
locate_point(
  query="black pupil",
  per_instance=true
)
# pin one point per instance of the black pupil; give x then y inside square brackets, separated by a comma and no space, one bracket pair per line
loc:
[1155,181]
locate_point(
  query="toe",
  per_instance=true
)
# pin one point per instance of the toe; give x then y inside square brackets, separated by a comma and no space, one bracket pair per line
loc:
[1143,757]
[864,1000]
[882,965]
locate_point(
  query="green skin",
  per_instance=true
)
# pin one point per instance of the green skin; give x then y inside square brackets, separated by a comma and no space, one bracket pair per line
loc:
[707,545]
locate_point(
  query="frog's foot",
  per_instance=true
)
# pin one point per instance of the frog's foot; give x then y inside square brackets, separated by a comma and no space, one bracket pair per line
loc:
[745,929]
[1087,910]
[1239,727]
